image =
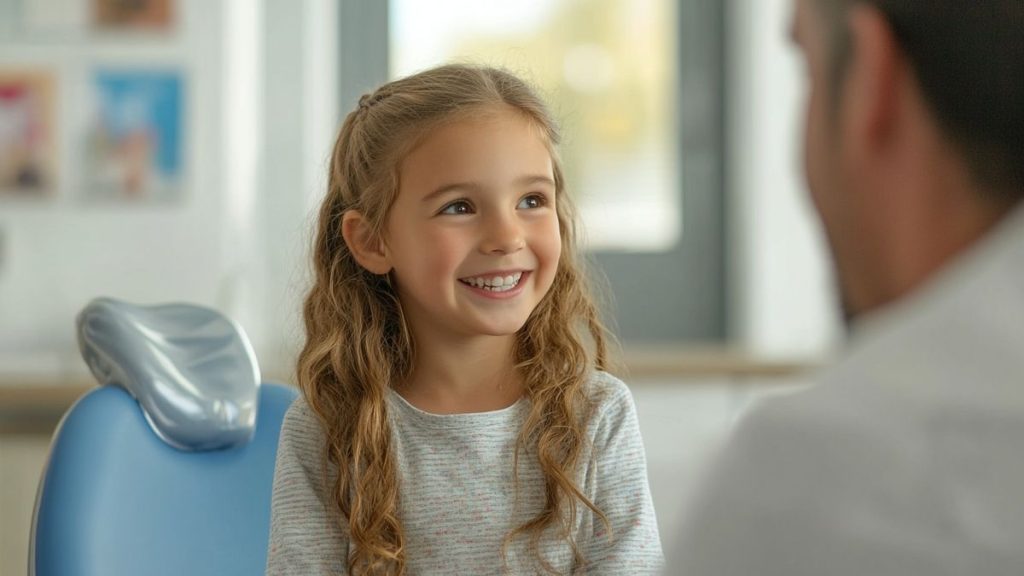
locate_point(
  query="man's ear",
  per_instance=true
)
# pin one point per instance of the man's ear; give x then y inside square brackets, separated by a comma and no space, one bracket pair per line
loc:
[876,75]
[368,251]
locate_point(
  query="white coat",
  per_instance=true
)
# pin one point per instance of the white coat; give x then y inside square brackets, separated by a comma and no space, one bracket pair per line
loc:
[907,456]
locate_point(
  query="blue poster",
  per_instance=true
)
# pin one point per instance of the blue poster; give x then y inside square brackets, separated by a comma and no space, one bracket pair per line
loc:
[136,147]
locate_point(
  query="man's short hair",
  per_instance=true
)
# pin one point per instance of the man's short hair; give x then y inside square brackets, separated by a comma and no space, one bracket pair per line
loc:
[968,56]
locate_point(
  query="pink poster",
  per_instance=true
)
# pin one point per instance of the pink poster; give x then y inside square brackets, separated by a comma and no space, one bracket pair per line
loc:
[27,148]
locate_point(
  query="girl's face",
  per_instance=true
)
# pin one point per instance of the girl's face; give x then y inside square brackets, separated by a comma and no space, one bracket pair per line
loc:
[473,235]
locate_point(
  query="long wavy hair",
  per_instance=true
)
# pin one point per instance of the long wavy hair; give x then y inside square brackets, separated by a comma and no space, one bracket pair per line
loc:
[358,347]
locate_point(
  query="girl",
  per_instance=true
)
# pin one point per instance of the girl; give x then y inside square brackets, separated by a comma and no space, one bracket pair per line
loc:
[454,418]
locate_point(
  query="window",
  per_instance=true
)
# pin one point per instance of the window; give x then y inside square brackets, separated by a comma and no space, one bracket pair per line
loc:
[607,68]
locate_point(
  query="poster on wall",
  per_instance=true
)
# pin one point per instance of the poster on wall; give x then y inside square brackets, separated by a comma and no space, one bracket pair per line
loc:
[27,148]
[144,15]
[134,150]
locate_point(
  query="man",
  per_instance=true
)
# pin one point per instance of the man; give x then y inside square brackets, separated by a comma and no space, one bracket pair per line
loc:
[907,457]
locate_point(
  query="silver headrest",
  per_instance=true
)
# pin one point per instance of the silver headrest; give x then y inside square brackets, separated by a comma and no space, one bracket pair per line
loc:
[191,369]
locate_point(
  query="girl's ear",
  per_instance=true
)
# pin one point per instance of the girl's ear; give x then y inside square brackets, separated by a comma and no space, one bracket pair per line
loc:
[368,252]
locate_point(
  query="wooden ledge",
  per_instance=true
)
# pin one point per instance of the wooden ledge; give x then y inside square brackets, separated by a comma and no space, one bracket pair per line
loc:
[36,407]
[689,362]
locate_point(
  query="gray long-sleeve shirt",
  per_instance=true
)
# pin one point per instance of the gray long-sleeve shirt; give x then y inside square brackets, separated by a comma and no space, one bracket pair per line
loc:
[457,498]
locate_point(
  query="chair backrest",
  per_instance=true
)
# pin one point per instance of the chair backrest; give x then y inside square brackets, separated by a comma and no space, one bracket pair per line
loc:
[168,468]
[116,500]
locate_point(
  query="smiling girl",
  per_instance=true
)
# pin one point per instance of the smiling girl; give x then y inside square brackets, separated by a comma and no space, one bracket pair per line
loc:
[454,417]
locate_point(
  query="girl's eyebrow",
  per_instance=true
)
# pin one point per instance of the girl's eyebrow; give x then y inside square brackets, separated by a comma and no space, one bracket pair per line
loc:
[535,179]
[523,181]
[446,188]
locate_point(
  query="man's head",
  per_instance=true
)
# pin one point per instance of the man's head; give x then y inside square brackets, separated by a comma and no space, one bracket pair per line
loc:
[914,142]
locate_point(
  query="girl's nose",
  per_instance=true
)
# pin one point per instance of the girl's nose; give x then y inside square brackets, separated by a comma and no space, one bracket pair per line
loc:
[502,235]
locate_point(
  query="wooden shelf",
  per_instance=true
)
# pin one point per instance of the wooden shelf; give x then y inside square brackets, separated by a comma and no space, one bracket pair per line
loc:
[36,407]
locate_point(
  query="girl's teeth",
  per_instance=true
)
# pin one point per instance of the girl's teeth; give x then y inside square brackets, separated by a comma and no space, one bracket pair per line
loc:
[497,283]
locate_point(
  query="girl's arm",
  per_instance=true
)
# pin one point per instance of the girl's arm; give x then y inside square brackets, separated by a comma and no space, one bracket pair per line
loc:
[305,535]
[617,483]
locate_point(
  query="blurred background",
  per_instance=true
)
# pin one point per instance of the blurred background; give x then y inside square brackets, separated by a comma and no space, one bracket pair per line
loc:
[176,150]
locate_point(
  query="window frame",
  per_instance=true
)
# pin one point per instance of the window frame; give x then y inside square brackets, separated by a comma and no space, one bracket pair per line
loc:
[673,296]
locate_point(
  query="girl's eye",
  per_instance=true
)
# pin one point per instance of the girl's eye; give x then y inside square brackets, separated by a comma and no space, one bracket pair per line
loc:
[533,201]
[457,207]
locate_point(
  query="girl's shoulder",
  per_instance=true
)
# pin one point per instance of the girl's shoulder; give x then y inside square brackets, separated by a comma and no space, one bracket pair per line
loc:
[613,417]
[299,411]
[602,382]
[300,422]
[609,396]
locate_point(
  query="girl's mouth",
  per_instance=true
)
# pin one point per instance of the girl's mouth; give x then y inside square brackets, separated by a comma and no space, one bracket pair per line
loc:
[497,283]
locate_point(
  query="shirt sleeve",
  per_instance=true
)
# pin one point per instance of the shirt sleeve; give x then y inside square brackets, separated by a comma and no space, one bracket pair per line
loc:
[305,536]
[799,492]
[617,482]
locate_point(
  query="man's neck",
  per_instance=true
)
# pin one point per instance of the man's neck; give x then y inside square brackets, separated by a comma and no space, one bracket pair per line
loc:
[953,218]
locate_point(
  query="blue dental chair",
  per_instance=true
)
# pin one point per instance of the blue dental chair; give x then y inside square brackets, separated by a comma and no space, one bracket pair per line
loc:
[167,467]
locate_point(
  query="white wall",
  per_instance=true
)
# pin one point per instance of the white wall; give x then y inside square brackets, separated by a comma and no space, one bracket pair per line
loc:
[62,252]
[783,298]
[260,116]
[301,97]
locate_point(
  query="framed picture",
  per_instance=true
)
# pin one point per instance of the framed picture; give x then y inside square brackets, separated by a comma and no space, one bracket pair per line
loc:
[27,141]
[133,14]
[134,150]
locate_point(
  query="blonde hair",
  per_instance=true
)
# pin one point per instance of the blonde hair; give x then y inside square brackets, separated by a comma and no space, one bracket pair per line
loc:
[357,345]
